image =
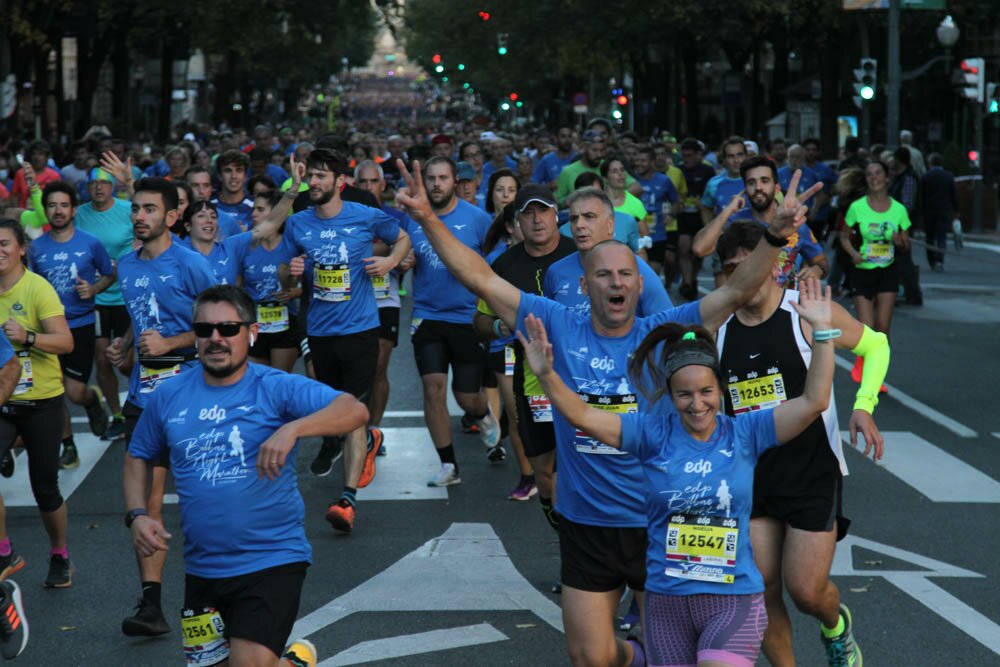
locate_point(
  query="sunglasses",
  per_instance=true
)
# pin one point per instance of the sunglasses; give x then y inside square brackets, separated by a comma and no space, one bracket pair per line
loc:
[225,329]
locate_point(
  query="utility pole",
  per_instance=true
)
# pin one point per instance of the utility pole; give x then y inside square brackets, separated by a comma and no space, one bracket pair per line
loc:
[894,78]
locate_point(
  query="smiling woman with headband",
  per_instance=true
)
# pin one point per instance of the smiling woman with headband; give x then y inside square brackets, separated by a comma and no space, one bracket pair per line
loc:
[704,595]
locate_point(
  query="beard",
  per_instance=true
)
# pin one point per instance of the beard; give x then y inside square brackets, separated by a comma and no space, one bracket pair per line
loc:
[442,200]
[321,198]
[760,208]
[224,370]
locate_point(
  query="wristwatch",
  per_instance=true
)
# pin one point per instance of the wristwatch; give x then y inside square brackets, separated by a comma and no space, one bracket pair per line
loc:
[131,515]
[29,338]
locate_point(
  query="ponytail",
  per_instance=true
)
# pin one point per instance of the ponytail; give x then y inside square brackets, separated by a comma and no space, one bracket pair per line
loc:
[665,350]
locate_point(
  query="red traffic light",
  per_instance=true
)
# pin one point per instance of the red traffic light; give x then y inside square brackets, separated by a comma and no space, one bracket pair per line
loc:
[436,58]
[973,156]
[513,97]
[969,67]
[622,100]
[484,16]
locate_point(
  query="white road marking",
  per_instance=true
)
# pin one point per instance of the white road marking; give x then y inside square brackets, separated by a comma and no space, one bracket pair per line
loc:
[465,569]
[983,246]
[17,489]
[416,644]
[917,585]
[960,287]
[403,473]
[996,434]
[920,408]
[934,472]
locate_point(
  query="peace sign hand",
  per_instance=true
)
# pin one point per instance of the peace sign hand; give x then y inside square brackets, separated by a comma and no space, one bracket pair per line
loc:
[414,195]
[792,212]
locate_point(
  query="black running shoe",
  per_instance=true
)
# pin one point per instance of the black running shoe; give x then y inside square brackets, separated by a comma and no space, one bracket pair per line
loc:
[7,464]
[328,451]
[10,564]
[60,572]
[148,621]
[70,458]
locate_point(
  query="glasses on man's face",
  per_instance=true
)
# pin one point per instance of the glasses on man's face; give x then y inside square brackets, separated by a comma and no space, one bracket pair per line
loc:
[473,155]
[225,329]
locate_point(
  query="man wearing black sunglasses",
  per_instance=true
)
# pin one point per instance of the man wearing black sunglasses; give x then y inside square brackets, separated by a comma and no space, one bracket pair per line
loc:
[230,433]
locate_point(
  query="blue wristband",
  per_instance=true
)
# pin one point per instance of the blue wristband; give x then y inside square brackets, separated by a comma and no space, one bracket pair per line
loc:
[826,334]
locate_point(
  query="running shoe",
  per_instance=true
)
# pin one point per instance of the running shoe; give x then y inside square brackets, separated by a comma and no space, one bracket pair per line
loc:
[489,430]
[60,572]
[858,369]
[7,463]
[96,414]
[69,459]
[842,650]
[368,471]
[525,489]
[496,455]
[956,229]
[446,476]
[631,617]
[13,623]
[301,653]
[116,429]
[382,451]
[328,451]
[340,515]
[148,621]
[469,425]
[10,564]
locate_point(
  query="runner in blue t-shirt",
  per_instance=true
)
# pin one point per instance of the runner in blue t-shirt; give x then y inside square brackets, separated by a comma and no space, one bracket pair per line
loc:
[760,182]
[342,320]
[821,210]
[225,256]
[229,432]
[232,199]
[78,268]
[697,467]
[441,330]
[549,167]
[159,283]
[602,533]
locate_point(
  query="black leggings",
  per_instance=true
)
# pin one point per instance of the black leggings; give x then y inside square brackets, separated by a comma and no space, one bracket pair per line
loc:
[40,424]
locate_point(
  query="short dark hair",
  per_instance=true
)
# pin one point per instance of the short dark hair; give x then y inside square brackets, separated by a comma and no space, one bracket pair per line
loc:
[328,159]
[691,144]
[262,179]
[902,155]
[852,144]
[606,164]
[649,150]
[166,189]
[935,160]
[464,145]
[740,235]
[232,157]
[259,153]
[235,296]
[438,159]
[65,188]
[588,179]
[758,161]
[732,141]
[196,169]
[17,229]
[811,140]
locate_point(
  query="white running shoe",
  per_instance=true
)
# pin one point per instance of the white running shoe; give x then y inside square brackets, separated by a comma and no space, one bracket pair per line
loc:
[489,430]
[956,228]
[446,476]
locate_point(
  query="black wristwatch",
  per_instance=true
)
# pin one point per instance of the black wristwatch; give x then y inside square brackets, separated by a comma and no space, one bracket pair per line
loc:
[29,338]
[131,515]
[773,240]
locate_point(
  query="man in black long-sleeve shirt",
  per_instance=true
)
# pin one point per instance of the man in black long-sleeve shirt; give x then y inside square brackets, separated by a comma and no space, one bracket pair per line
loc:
[939,201]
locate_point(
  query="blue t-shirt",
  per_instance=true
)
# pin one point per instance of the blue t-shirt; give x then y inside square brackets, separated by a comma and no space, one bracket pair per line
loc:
[61,263]
[113,228]
[720,189]
[242,211]
[489,168]
[260,273]
[598,485]
[697,493]
[233,522]
[343,301]
[226,256]
[549,167]
[806,181]
[497,344]
[438,295]
[658,192]
[801,245]
[6,350]
[228,225]
[159,294]
[562,284]
[829,178]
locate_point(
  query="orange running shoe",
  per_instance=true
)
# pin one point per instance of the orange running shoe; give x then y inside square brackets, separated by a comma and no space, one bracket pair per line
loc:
[859,368]
[341,516]
[368,472]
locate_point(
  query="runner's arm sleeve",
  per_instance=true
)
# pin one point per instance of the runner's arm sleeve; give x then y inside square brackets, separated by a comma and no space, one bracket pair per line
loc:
[874,348]
[35,218]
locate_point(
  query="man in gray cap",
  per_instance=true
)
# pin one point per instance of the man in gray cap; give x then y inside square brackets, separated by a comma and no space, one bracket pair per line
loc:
[467,183]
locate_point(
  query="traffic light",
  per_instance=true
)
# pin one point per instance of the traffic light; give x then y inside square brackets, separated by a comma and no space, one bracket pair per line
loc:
[502,44]
[461,67]
[485,16]
[622,100]
[436,58]
[974,157]
[439,69]
[972,79]
[513,97]
[866,79]
[993,98]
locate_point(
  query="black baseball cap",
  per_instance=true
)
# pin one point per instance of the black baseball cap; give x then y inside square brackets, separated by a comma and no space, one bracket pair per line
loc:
[531,193]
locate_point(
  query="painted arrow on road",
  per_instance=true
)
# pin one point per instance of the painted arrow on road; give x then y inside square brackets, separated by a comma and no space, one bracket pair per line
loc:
[917,585]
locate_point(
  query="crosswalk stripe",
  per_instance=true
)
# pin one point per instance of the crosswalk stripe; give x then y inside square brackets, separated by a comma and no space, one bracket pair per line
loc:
[416,644]
[934,472]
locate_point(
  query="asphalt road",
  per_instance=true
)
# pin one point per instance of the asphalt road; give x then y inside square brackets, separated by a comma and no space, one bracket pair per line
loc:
[462,576]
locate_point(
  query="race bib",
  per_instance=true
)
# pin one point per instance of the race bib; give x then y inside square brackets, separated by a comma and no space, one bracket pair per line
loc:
[203,632]
[669,221]
[508,360]
[151,378]
[414,325]
[704,547]
[27,379]
[381,286]
[332,282]
[272,317]
[757,393]
[624,404]
[880,252]
[541,409]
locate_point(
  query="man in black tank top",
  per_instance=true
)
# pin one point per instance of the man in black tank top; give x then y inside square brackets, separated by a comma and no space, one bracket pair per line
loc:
[764,351]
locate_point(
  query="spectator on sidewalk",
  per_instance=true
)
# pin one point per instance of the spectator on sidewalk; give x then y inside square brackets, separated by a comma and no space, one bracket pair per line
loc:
[939,206]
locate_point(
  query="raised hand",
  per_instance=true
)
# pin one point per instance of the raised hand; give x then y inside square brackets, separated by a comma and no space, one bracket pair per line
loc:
[792,212]
[537,348]
[298,172]
[29,175]
[111,163]
[814,304]
[414,195]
